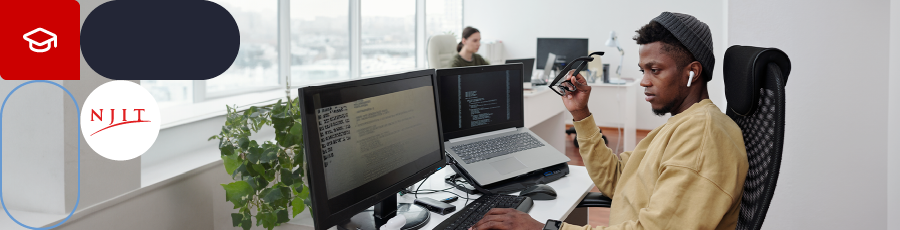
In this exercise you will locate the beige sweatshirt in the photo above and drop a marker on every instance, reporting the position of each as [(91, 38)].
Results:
[(686, 174)]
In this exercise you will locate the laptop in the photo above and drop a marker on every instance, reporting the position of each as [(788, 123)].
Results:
[(545, 76), (528, 66), (482, 114)]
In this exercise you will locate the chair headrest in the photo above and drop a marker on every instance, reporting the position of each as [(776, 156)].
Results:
[(745, 69)]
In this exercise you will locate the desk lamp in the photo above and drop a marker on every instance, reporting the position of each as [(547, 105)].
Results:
[(613, 41)]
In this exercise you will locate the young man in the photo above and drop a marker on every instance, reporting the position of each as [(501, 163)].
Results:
[(686, 174)]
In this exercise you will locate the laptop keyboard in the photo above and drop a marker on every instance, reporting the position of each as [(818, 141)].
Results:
[(495, 147)]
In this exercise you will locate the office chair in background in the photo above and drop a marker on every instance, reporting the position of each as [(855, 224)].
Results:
[(754, 87), (441, 50)]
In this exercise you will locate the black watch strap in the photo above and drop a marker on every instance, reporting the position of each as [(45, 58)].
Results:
[(552, 225)]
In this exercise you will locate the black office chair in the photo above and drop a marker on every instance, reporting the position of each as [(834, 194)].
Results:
[(754, 87)]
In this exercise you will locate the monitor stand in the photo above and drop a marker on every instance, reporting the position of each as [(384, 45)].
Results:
[(416, 216)]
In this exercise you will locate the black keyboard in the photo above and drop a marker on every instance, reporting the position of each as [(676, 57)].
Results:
[(495, 147), (472, 213)]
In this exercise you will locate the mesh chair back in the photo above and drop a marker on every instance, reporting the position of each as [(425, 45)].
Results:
[(755, 81)]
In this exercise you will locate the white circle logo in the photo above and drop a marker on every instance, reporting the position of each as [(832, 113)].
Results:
[(120, 120)]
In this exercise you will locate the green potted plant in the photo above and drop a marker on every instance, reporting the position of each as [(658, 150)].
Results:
[(269, 177)]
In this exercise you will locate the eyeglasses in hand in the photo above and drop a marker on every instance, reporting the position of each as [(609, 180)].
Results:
[(564, 87)]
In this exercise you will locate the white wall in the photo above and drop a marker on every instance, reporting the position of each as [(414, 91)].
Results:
[(833, 174), (101, 178), (518, 24), (183, 203), (33, 147), (893, 121)]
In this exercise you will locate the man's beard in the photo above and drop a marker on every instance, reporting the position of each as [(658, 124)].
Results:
[(667, 108)]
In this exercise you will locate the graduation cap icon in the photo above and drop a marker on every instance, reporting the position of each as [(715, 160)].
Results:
[(45, 38)]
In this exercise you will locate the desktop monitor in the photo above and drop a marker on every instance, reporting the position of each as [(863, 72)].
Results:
[(365, 140), (566, 49), (528, 67)]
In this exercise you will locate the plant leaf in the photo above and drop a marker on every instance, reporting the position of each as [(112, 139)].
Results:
[(297, 129), (238, 193), (305, 193), (258, 170), (286, 177), (271, 195), (286, 192), (270, 174), (213, 137), (253, 154), (241, 171), (269, 155), (298, 156), (298, 188), (297, 206), (232, 162), (283, 159), (282, 216), (268, 219), (227, 150), (246, 224), (277, 107), (236, 219), (308, 203), (244, 142), (257, 183), (297, 132)]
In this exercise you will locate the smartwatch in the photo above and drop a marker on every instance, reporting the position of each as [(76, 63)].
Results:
[(552, 225)]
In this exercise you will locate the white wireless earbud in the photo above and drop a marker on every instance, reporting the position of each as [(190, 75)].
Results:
[(690, 78)]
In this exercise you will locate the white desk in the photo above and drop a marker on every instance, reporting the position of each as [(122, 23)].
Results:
[(614, 106), (570, 191), (545, 115)]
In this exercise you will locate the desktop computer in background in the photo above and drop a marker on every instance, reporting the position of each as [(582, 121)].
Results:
[(366, 140), (528, 67), (566, 49)]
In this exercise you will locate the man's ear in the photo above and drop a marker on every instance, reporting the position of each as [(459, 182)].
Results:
[(698, 72)]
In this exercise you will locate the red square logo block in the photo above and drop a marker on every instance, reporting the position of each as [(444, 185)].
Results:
[(30, 35)]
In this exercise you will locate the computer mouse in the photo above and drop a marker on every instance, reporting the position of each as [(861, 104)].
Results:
[(539, 192)]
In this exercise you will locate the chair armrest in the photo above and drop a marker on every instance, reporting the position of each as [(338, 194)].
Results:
[(595, 199)]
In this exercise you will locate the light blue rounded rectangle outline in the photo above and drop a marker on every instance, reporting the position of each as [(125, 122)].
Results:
[(78, 112)]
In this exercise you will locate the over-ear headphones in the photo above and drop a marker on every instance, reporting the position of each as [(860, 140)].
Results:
[(690, 78)]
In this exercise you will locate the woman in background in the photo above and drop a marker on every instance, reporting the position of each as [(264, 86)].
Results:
[(471, 41)]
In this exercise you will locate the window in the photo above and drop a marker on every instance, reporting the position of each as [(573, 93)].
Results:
[(170, 93), (443, 17), (320, 41), (388, 38), (321, 44), (256, 65)]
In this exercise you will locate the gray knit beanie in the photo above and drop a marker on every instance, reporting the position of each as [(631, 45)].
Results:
[(694, 35)]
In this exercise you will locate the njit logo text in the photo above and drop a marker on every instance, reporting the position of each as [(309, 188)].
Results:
[(112, 117)]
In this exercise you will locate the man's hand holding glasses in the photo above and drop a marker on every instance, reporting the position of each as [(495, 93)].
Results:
[(576, 97)]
